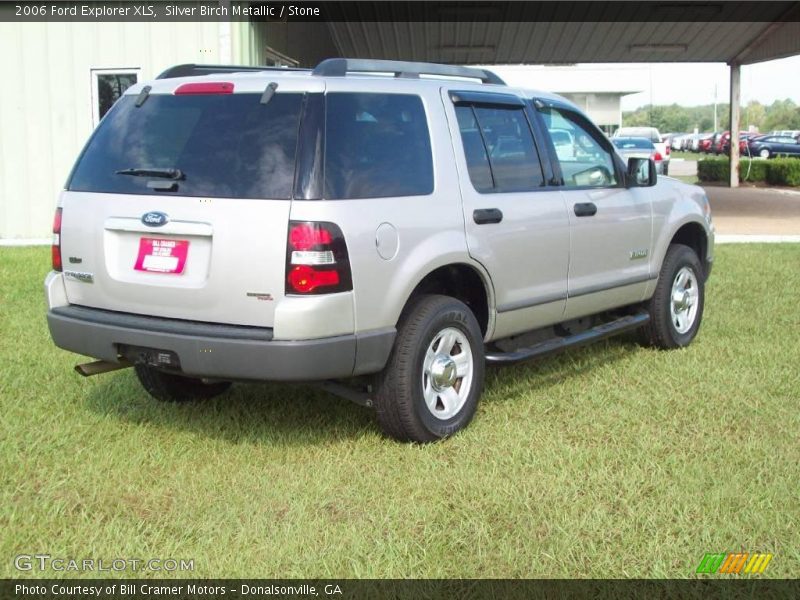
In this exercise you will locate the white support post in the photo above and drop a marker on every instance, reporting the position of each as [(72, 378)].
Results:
[(736, 72)]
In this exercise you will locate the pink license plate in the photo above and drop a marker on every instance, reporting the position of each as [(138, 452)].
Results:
[(162, 256)]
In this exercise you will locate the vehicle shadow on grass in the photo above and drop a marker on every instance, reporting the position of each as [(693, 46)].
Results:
[(285, 414), (272, 413), (553, 370)]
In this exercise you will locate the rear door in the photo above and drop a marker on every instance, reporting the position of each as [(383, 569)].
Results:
[(516, 225), (179, 207)]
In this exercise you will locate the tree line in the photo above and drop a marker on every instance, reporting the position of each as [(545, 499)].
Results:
[(781, 114)]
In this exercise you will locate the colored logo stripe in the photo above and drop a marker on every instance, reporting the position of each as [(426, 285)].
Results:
[(734, 562), (758, 563), (710, 563)]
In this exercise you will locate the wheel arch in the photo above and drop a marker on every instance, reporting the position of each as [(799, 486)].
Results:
[(693, 235), (464, 282)]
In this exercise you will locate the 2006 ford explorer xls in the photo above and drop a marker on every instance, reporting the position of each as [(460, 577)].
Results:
[(385, 236)]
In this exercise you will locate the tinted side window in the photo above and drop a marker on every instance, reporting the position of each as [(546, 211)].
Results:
[(507, 144), (228, 146), (376, 146), (583, 157), (474, 151)]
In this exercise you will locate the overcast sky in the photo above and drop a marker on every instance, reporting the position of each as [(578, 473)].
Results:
[(691, 84)]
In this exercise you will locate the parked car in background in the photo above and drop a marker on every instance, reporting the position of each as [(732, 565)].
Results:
[(714, 147), (719, 144), (770, 146), (786, 133), (564, 143), (743, 137), (630, 147), (648, 133), (704, 143), (691, 142), (678, 141)]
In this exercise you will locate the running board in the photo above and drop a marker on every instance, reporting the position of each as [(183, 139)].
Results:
[(557, 344)]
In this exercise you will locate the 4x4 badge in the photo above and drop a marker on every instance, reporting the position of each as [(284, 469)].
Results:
[(155, 219)]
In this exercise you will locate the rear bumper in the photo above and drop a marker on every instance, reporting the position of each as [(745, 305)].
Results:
[(219, 351)]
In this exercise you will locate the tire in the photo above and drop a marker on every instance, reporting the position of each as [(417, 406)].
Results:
[(764, 153), (674, 323), (168, 387), (420, 395), (665, 169)]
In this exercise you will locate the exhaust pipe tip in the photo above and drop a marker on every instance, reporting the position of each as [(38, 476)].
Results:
[(101, 366)]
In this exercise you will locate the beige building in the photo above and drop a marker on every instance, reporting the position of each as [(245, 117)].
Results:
[(598, 90), (60, 78)]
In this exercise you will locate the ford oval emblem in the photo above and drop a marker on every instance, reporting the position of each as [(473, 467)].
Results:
[(155, 219)]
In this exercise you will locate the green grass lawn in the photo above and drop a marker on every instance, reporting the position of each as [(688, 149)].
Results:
[(609, 461)]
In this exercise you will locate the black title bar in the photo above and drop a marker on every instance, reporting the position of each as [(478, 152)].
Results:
[(644, 11)]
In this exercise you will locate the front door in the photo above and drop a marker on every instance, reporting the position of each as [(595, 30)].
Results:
[(610, 225)]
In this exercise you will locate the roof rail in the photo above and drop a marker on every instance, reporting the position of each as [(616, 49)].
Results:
[(339, 67), (189, 70)]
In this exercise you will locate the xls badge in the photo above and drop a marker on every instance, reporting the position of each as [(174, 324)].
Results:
[(638, 254)]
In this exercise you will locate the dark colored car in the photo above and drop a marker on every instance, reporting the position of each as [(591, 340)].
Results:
[(769, 146)]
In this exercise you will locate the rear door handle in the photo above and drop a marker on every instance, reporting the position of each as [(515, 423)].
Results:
[(484, 216), (585, 209)]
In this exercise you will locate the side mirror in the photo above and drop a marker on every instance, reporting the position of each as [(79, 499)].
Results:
[(641, 172)]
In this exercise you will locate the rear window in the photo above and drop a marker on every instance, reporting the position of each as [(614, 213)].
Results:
[(227, 146), (377, 145), (643, 132), (630, 143)]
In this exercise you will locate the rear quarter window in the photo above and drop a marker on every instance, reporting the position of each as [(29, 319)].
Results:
[(376, 146)]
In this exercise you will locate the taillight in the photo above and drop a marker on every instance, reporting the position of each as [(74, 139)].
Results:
[(56, 247), (657, 156), (666, 151), (316, 259), (209, 87)]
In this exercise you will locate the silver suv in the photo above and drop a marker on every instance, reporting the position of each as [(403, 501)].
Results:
[(384, 229)]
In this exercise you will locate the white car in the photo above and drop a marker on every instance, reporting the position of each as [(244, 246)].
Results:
[(652, 134)]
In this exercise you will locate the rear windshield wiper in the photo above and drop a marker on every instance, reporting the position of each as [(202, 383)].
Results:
[(164, 173)]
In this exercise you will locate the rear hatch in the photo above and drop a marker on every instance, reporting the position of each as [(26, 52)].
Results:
[(179, 206)]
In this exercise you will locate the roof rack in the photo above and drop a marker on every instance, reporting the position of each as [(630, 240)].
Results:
[(340, 67), (189, 70)]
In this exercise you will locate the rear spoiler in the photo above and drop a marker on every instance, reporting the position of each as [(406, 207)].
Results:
[(189, 70)]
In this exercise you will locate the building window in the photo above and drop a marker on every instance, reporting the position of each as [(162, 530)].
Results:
[(107, 87), (273, 58)]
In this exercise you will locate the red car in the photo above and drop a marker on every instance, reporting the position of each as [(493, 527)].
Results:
[(720, 140), (744, 138), (705, 144)]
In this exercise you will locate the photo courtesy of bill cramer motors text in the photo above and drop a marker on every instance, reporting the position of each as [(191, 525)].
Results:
[(146, 590)]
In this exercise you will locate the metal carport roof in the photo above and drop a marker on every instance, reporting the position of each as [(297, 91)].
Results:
[(733, 32), (567, 32)]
